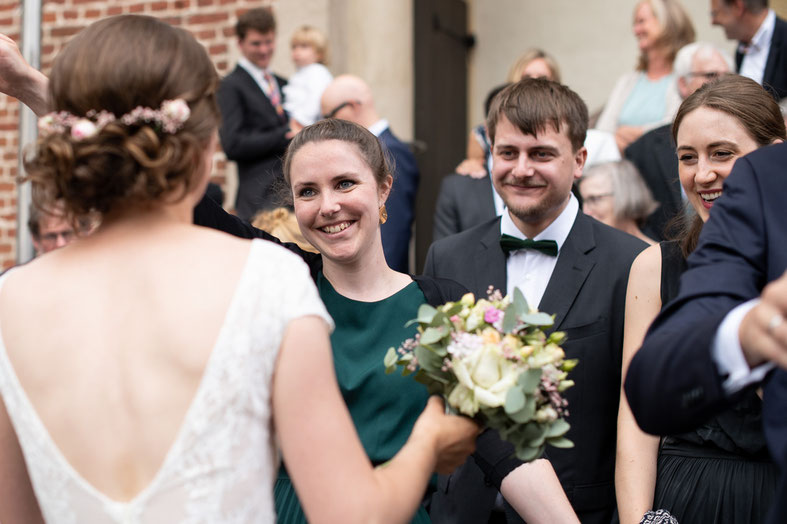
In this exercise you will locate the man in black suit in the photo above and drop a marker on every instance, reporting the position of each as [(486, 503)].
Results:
[(537, 129), (654, 153), (254, 129), (762, 37), (726, 329), (348, 97)]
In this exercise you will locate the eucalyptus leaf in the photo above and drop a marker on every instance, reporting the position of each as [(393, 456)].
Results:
[(532, 430), (433, 334), (425, 315), (529, 380), (390, 360), (427, 359), (526, 413), (510, 320), (520, 303), (537, 319), (558, 428), (515, 400), (529, 454), (454, 309), (538, 440), (440, 319), (560, 442)]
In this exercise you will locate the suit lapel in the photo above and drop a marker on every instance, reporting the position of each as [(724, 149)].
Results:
[(490, 262), (253, 87), (571, 270)]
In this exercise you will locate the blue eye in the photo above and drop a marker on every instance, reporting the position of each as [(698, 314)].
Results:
[(306, 192), (345, 184)]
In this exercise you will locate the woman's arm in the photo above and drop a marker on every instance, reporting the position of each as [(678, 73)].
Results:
[(330, 470), (20, 80), (17, 500), (534, 491), (637, 452)]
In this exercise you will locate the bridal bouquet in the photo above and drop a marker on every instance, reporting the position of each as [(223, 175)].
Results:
[(492, 360)]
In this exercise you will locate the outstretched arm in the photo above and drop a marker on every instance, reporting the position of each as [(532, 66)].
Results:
[(330, 470), (21, 81)]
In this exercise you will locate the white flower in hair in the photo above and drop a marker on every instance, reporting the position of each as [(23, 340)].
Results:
[(82, 129), (174, 113)]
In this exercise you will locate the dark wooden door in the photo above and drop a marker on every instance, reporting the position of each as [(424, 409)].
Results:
[(441, 55)]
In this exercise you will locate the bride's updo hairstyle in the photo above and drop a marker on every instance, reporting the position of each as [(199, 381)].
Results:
[(126, 66)]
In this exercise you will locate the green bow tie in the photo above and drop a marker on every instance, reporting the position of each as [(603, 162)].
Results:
[(509, 244)]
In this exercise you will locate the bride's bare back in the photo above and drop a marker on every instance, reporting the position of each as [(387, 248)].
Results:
[(110, 338)]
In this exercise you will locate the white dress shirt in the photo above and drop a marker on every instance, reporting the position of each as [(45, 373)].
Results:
[(378, 127), (728, 355), (528, 269), (259, 76), (755, 54)]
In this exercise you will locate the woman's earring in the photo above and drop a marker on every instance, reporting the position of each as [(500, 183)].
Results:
[(383, 214)]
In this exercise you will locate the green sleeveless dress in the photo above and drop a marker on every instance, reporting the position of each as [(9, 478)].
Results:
[(383, 407)]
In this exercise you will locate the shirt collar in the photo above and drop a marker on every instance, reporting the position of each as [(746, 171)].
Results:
[(558, 230), (762, 38), (378, 127), (252, 69)]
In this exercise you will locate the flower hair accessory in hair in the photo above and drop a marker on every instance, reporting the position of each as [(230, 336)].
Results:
[(169, 118)]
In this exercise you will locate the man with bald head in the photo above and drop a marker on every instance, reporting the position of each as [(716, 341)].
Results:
[(349, 98), (654, 153)]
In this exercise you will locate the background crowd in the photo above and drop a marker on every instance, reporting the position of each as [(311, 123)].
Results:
[(623, 196)]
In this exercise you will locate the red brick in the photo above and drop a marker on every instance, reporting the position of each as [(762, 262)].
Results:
[(181, 4), (70, 14), (64, 31), (114, 10), (206, 34), (203, 3), (208, 18), (136, 8), (217, 49), (5, 248), (92, 13), (158, 6)]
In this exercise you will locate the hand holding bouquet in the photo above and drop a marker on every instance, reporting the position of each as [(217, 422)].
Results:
[(492, 360)]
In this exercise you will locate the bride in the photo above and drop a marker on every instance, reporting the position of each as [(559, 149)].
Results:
[(146, 370)]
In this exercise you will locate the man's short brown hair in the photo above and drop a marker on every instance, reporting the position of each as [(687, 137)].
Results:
[(533, 103), (260, 20)]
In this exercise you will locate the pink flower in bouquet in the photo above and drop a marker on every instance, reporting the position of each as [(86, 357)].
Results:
[(492, 315)]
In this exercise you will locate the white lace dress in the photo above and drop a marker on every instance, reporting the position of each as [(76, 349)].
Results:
[(221, 466)]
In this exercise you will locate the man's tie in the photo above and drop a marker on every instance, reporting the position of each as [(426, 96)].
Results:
[(509, 243), (274, 96)]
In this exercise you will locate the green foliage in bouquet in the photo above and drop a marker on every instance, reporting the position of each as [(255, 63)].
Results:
[(492, 360)]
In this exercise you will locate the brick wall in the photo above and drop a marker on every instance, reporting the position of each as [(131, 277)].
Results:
[(211, 21)]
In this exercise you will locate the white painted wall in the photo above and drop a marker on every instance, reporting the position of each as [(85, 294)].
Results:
[(591, 40)]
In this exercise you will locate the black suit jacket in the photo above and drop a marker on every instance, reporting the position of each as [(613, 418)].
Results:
[(775, 76), (253, 135), (396, 232), (586, 293), (673, 383), (463, 202), (654, 155)]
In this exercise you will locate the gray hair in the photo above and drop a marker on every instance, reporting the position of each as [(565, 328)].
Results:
[(631, 196), (682, 65)]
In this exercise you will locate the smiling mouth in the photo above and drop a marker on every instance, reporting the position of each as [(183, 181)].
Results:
[(335, 228), (709, 197)]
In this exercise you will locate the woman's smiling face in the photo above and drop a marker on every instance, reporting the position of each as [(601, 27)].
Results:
[(337, 199), (708, 143)]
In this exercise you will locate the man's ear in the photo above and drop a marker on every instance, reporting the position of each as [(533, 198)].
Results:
[(580, 157)]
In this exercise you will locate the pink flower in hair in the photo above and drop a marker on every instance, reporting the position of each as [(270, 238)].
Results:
[(82, 129)]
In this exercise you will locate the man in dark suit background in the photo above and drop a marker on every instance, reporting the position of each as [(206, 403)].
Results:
[(348, 97), (654, 153), (762, 41), (537, 129), (725, 331), (254, 129)]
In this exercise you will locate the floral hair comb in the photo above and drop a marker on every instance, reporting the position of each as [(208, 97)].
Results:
[(169, 118)]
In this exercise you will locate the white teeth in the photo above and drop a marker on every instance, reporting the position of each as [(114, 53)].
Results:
[(709, 197), (336, 227)]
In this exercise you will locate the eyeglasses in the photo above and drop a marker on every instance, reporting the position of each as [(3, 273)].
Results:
[(707, 75), (53, 237), (338, 108), (592, 200)]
